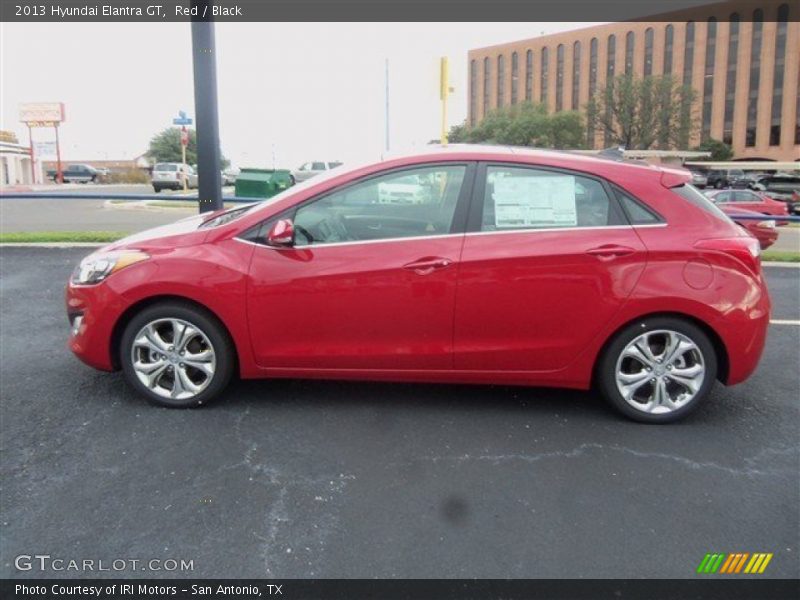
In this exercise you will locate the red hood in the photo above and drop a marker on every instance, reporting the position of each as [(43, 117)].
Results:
[(178, 234)]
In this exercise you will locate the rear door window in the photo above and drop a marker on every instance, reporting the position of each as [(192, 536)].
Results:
[(529, 198)]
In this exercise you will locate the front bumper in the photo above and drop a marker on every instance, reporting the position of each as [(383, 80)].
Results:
[(98, 307)]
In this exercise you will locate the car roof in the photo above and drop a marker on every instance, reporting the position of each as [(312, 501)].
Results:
[(567, 159)]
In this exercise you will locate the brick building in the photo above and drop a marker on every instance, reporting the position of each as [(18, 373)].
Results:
[(742, 58)]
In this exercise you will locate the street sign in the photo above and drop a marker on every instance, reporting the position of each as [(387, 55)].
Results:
[(182, 119)]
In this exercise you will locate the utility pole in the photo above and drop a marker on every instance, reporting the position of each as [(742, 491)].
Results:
[(386, 116), (204, 61), (444, 92)]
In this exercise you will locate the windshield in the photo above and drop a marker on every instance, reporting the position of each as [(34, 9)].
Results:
[(165, 167)]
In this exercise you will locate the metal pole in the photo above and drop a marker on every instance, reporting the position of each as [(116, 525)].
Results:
[(30, 141), (387, 106), (59, 173), (205, 109)]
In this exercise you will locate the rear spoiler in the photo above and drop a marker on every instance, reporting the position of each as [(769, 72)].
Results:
[(671, 178)]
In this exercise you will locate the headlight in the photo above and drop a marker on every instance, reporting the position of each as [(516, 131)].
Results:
[(96, 267)]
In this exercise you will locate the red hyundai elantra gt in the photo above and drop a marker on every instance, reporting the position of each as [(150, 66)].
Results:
[(470, 264)]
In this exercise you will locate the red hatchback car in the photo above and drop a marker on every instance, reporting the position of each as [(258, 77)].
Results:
[(468, 264)]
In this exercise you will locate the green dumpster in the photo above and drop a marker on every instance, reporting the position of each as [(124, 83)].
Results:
[(262, 183)]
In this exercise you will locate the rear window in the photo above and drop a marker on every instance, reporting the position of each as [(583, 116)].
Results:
[(165, 167), (692, 195)]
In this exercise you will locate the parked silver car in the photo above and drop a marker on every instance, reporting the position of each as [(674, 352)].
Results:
[(309, 169), (171, 176)]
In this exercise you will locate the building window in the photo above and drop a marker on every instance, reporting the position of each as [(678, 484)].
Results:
[(777, 79), (610, 68), (576, 75), (487, 82), (755, 78), (473, 91), (543, 75), (559, 77), (514, 77), (688, 54), (669, 37), (529, 75), (730, 79), (630, 42), (648, 52), (501, 80), (612, 58), (708, 77)]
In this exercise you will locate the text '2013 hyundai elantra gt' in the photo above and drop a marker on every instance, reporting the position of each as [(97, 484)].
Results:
[(468, 264)]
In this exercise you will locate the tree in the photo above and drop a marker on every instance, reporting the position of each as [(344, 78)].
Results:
[(165, 146), (642, 113), (720, 151), (524, 124)]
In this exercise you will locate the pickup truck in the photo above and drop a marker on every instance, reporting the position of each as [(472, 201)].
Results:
[(76, 173)]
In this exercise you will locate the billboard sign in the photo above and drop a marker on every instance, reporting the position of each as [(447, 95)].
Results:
[(41, 114)]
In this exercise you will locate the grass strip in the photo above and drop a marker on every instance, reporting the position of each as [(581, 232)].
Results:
[(22, 237)]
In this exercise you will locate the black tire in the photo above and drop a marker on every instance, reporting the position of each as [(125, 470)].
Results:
[(156, 189), (607, 368), (201, 319)]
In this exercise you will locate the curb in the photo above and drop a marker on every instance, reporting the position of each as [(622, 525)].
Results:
[(53, 245)]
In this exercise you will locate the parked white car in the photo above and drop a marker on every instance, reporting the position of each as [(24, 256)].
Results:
[(309, 169), (405, 190), (171, 176)]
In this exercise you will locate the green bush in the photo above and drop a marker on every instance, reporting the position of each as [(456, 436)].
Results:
[(129, 176)]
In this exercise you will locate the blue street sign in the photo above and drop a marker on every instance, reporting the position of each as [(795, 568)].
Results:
[(182, 119)]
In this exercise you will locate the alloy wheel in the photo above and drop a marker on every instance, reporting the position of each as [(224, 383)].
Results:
[(660, 371), (173, 358)]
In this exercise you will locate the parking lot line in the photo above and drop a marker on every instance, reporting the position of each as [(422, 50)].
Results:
[(784, 322)]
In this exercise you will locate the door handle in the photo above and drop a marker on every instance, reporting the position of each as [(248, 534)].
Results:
[(610, 251), (427, 265)]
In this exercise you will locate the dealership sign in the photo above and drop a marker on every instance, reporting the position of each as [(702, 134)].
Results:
[(41, 114)]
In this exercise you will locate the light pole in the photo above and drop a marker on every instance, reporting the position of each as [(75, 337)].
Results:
[(204, 62)]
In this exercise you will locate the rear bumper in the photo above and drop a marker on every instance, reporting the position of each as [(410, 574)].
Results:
[(745, 337)]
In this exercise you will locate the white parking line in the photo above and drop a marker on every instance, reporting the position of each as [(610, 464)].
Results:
[(784, 322)]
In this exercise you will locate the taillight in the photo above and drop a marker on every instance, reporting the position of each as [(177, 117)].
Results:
[(745, 248)]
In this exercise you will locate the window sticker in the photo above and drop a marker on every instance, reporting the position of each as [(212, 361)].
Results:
[(535, 201)]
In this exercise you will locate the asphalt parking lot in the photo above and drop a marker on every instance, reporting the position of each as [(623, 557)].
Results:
[(328, 479)]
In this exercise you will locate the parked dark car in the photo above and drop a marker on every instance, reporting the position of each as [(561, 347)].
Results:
[(783, 187), (728, 178), (76, 173)]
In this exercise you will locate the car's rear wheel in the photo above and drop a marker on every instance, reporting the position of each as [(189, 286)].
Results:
[(176, 355), (658, 370), (156, 189)]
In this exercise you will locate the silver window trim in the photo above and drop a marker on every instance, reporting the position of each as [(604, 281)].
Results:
[(449, 235)]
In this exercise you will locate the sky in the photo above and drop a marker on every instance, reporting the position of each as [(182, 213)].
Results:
[(288, 92)]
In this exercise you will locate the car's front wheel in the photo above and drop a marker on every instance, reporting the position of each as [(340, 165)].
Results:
[(176, 355), (658, 370)]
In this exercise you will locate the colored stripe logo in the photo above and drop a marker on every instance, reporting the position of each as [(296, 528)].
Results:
[(735, 563)]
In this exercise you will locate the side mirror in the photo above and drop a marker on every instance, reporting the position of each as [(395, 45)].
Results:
[(281, 233)]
